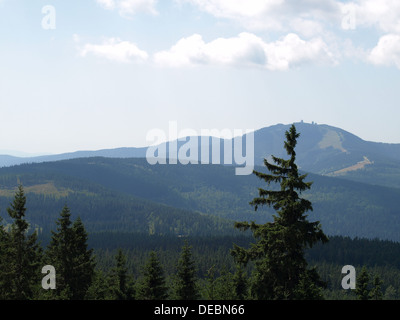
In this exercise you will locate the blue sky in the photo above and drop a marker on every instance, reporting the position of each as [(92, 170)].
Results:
[(109, 71)]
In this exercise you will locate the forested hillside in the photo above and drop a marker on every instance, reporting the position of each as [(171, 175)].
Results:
[(103, 210), (126, 194), (113, 256)]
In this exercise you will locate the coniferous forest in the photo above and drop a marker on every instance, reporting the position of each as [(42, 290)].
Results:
[(287, 258)]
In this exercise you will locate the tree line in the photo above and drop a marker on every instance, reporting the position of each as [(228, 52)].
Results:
[(77, 277)]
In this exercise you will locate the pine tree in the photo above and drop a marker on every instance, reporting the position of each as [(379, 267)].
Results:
[(153, 283), (84, 262), (186, 279), (309, 287), (362, 285), (100, 288), (209, 290), (68, 252), (60, 253), (24, 253), (5, 264), (122, 281), (279, 251), (224, 286), (376, 291), (390, 293)]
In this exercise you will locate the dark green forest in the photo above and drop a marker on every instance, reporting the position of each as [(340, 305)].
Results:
[(112, 256), (116, 194)]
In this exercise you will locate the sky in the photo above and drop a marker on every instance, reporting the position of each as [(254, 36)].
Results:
[(98, 74)]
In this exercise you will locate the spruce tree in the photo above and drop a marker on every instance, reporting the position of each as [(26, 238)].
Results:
[(376, 291), (224, 286), (210, 285), (280, 265), (362, 285), (84, 262), (69, 254), (5, 264), (23, 253), (122, 282), (390, 293), (60, 253), (186, 278), (100, 288), (153, 282)]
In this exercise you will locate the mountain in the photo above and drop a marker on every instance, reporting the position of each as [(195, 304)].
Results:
[(321, 149), (331, 151), (130, 194)]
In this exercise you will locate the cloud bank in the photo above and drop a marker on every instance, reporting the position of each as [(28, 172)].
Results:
[(128, 8), (115, 50), (246, 50), (309, 31)]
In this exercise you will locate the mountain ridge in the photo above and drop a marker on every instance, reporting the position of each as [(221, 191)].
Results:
[(321, 149)]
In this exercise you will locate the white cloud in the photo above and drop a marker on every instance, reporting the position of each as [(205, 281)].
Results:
[(387, 51), (115, 50), (306, 27), (292, 51), (107, 4), (305, 17), (313, 20), (128, 8), (235, 9), (246, 50), (382, 14), (309, 15)]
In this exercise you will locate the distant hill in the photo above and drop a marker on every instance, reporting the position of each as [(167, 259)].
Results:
[(321, 149), (119, 194), (331, 151), (7, 160), (101, 209)]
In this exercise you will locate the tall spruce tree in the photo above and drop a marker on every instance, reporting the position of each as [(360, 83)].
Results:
[(362, 285), (210, 285), (224, 285), (122, 281), (376, 291), (101, 288), (23, 252), (153, 285), (59, 254), (69, 254), (5, 264), (281, 269), (84, 261), (186, 279)]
